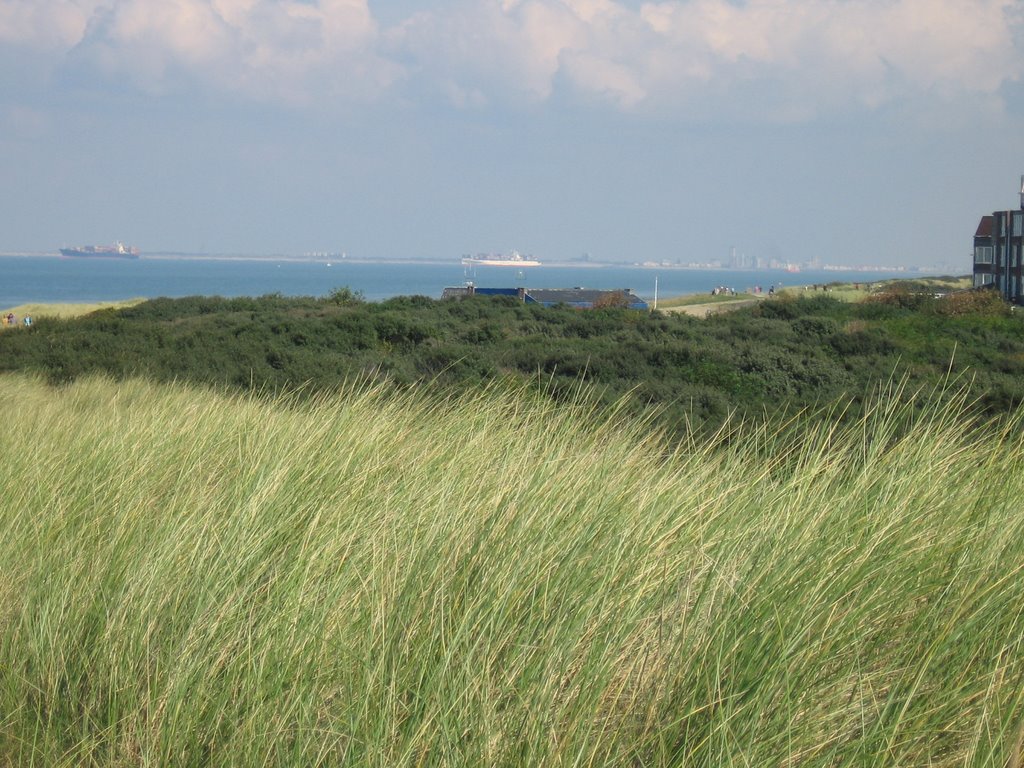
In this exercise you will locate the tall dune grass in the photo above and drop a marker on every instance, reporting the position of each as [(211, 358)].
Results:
[(375, 579)]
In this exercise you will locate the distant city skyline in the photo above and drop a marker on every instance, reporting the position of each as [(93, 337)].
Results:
[(866, 132)]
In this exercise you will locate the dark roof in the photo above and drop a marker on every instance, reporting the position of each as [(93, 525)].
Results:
[(496, 291), (457, 291), (985, 226), (585, 297), (567, 295)]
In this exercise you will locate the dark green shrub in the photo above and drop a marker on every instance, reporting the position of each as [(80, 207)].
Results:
[(345, 297), (815, 328), (860, 343)]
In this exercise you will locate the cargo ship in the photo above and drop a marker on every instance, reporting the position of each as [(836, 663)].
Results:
[(116, 251), (514, 259)]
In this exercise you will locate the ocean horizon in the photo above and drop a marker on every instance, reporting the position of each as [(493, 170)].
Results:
[(54, 279)]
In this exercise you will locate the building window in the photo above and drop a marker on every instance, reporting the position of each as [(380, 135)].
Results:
[(982, 278), (983, 254), (1018, 223)]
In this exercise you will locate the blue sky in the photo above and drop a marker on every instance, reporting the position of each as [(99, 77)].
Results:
[(855, 131)]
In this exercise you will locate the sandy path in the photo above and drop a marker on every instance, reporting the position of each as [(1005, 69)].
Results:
[(703, 310)]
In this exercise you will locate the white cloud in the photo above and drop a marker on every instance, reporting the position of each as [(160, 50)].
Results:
[(608, 79), (44, 24), (924, 44), (820, 53), (292, 50), (794, 58), (498, 50), (522, 47)]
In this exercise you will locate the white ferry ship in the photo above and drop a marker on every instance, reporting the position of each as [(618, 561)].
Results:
[(514, 259)]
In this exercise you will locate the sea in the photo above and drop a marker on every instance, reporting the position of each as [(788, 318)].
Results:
[(51, 279)]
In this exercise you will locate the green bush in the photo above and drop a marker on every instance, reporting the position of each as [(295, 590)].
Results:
[(982, 303), (785, 353)]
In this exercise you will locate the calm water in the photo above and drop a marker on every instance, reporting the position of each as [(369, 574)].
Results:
[(46, 279)]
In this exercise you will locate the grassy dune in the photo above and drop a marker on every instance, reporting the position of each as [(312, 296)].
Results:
[(66, 309), (371, 580), (842, 291), (692, 299), (858, 291), (703, 304)]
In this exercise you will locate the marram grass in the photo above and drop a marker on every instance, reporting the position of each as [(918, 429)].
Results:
[(372, 579)]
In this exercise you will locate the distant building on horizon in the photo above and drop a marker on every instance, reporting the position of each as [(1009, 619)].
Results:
[(999, 251)]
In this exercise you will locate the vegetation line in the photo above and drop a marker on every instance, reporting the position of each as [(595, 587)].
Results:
[(787, 355)]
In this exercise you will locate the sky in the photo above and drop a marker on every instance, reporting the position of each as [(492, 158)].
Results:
[(852, 131)]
